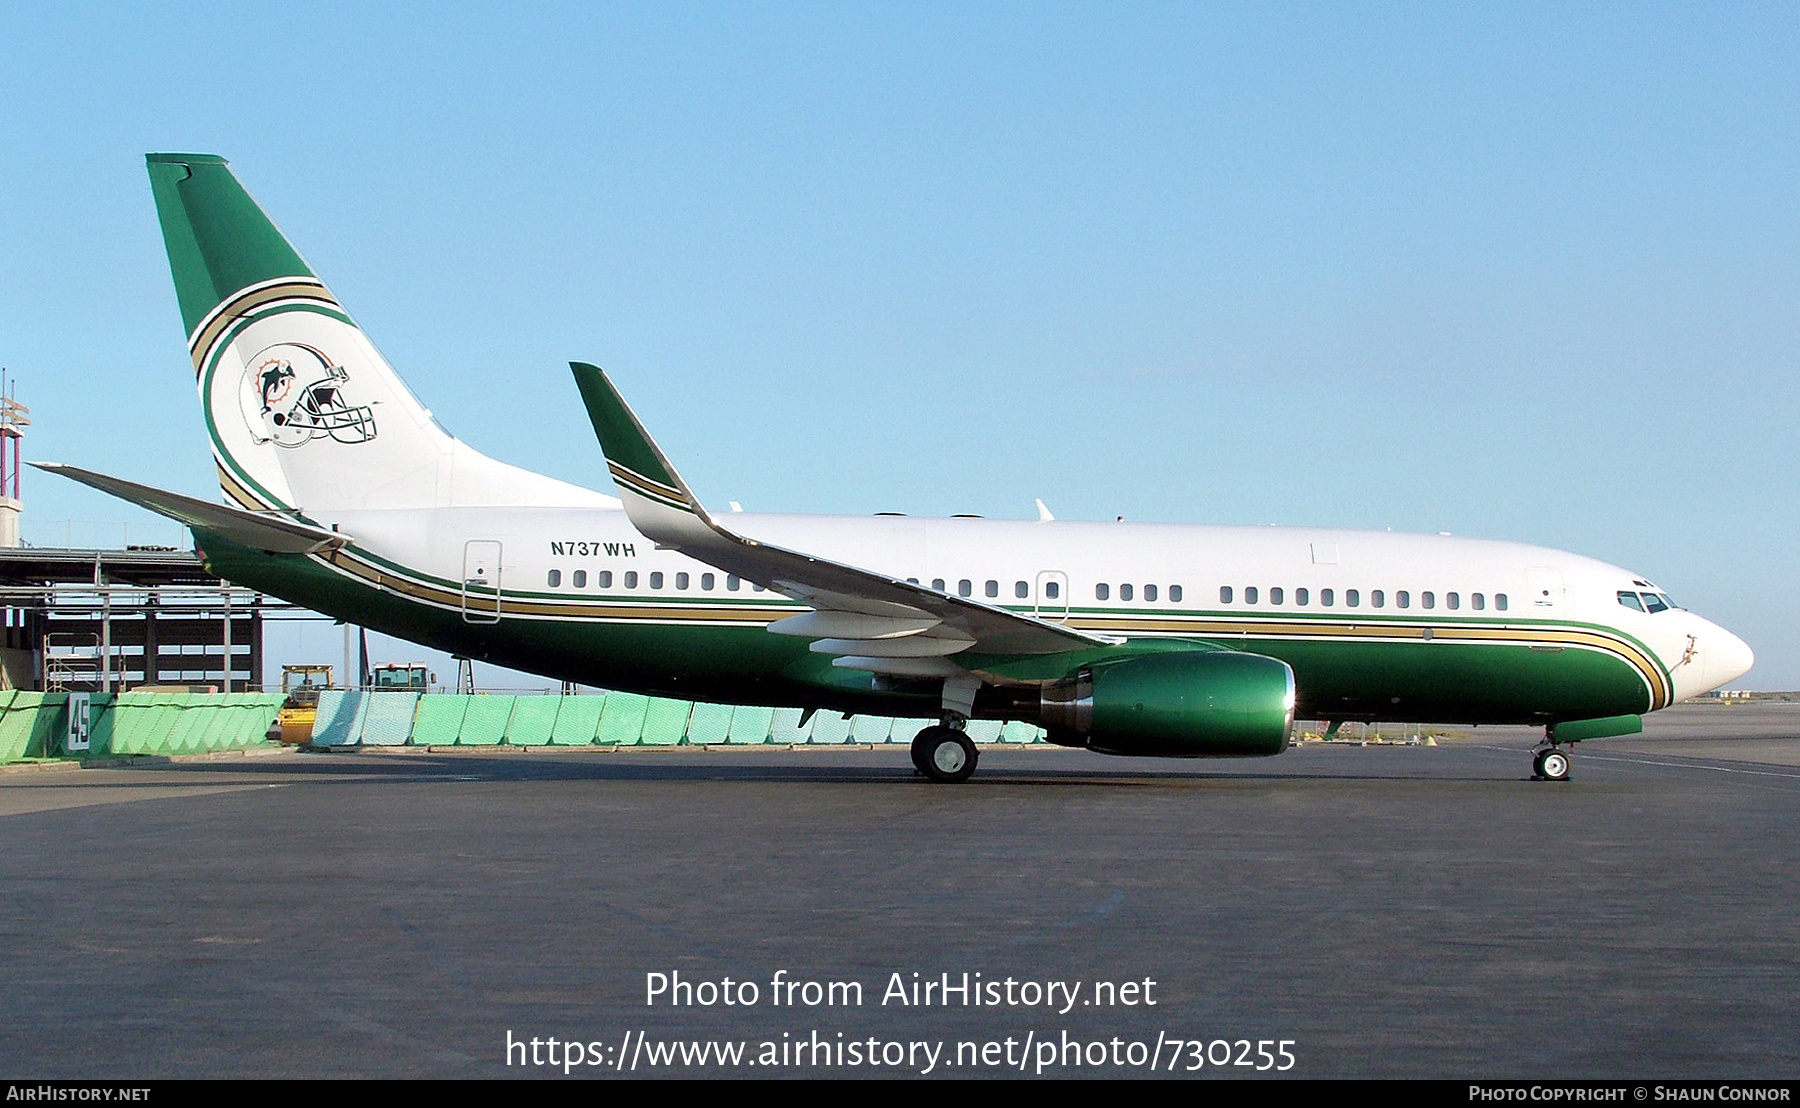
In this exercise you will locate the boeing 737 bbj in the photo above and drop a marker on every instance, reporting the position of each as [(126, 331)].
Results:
[(343, 495)]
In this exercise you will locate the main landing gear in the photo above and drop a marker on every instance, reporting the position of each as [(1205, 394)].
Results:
[(944, 754), (1551, 764)]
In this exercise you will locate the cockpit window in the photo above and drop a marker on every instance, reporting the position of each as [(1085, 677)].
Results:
[(1630, 600), (1655, 603)]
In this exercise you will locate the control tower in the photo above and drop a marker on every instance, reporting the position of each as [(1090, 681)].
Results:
[(14, 418)]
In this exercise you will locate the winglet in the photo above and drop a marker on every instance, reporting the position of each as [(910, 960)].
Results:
[(657, 500), (664, 510)]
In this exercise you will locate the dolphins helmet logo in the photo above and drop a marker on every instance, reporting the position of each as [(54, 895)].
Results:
[(293, 394)]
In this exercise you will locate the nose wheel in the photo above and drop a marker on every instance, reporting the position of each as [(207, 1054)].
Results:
[(944, 754), (1552, 764)]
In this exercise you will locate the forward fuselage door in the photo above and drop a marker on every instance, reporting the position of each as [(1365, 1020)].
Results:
[(481, 581), (1052, 595), (1546, 584)]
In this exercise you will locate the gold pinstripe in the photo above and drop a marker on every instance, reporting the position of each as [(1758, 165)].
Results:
[(236, 490), (610, 609), (221, 318), (645, 487)]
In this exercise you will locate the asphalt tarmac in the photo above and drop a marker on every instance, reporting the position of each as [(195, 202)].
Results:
[(1379, 911)]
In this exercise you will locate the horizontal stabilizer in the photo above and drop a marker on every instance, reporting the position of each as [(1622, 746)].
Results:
[(277, 534)]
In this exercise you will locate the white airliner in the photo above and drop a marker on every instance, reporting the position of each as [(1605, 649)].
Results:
[(1184, 641)]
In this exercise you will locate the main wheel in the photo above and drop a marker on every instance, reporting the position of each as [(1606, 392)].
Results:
[(1553, 765), (948, 756)]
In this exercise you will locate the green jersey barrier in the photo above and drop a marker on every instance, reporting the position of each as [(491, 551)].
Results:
[(37, 725), (34, 725)]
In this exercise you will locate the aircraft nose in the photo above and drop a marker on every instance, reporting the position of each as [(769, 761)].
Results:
[(1727, 657)]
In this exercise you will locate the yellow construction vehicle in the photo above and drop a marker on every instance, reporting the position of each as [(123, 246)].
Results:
[(302, 684)]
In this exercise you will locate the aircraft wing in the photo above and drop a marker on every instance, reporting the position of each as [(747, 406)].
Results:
[(277, 534), (869, 620)]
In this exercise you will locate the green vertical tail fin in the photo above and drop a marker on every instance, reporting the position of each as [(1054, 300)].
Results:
[(219, 240), (304, 413)]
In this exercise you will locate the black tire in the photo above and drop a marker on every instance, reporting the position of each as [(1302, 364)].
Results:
[(1554, 765), (919, 746), (1537, 766), (949, 757)]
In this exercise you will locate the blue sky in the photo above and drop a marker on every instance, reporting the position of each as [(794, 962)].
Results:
[(1526, 272)]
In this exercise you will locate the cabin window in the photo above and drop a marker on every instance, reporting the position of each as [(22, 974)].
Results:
[(579, 579), (937, 584), (1052, 589), (1500, 602), (681, 580), (1353, 597), (1327, 597), (731, 582), (993, 588), (965, 587), (1174, 594), (631, 578), (706, 582), (1428, 599), (1403, 599), (1452, 601), (1277, 595), (1101, 591), (1149, 592), (1249, 594), (604, 579), (1125, 592), (1654, 603), (1378, 599), (1630, 600), (1023, 590), (555, 578), (912, 580), (1224, 594), (1302, 597), (754, 587), (1477, 601), (656, 579)]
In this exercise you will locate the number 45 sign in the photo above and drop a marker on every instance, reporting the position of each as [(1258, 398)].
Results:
[(77, 736)]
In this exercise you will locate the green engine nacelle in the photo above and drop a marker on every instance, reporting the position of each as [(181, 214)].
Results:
[(1199, 704)]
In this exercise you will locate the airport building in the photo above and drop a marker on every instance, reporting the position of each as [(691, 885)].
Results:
[(112, 620), (102, 621)]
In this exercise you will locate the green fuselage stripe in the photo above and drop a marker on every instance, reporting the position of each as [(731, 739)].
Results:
[(715, 647)]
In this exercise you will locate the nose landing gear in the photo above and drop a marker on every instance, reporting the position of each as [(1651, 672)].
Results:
[(1551, 764)]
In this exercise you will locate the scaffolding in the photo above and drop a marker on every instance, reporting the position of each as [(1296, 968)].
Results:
[(110, 620)]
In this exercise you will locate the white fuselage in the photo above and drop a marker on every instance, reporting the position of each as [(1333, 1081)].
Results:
[(1151, 575)]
